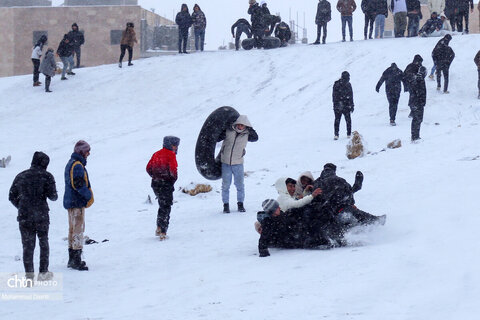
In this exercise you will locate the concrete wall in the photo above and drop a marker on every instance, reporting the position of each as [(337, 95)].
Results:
[(18, 25), (24, 3)]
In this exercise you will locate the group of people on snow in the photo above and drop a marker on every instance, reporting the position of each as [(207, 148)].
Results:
[(184, 21), (311, 213)]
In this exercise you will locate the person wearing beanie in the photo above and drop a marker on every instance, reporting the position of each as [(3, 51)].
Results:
[(343, 103), (29, 193), (414, 83), (259, 23), (78, 40), (36, 55), (78, 196), (48, 68), (65, 52), (286, 188), (443, 56), (184, 22), (235, 140), (393, 78), (162, 168), (129, 38)]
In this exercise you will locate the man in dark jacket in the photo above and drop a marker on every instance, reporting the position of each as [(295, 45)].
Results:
[(277, 229), (443, 56), (258, 23), (451, 10), (381, 9), (462, 13), (414, 83), (414, 15), (65, 52), (78, 196), (342, 97), (432, 24), (29, 193), (369, 10), (393, 78), (162, 168), (282, 32), (184, 22), (77, 41), (477, 62), (242, 26), (324, 15)]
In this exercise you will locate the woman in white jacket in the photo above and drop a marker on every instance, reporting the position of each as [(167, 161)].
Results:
[(286, 191), (36, 56)]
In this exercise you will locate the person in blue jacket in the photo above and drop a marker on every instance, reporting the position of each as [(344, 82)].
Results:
[(78, 196)]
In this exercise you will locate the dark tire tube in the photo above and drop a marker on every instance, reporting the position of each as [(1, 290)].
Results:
[(248, 44), (217, 122)]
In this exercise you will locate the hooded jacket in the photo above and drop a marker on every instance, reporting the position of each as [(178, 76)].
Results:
[(129, 37), (183, 19), (324, 12), (443, 54), (199, 20), (393, 78), (30, 190), (234, 141), (65, 49), (299, 189), (337, 193), (48, 65), (282, 31), (77, 37), (342, 95), (287, 201)]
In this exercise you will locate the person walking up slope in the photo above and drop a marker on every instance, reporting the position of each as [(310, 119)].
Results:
[(414, 82), (36, 55), (162, 168), (129, 38), (78, 196), (184, 22), (29, 193), (232, 152), (393, 78), (343, 103), (443, 56)]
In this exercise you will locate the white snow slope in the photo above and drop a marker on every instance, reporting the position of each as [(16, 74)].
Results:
[(423, 264)]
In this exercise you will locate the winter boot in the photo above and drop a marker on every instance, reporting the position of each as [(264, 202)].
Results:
[(226, 208), (241, 208), (119, 64), (335, 137), (392, 123), (29, 276), (37, 84), (45, 276), (63, 78), (70, 258), (78, 264), (478, 94), (158, 232), (163, 236), (130, 64), (71, 73)]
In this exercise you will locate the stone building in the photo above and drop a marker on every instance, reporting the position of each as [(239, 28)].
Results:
[(102, 26)]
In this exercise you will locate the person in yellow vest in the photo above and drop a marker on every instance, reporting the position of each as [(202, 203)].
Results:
[(78, 196)]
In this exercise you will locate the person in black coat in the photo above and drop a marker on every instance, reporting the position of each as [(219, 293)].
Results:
[(28, 193), (462, 13), (414, 14), (431, 25), (324, 15), (277, 229), (184, 22), (282, 31), (393, 78), (443, 56), (451, 9), (342, 103), (381, 9), (258, 23), (369, 10), (65, 52), (414, 83), (77, 41), (242, 26)]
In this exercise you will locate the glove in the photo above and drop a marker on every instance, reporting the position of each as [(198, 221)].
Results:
[(264, 253), (359, 177), (377, 89), (351, 109)]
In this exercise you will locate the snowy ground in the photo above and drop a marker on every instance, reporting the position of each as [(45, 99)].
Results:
[(423, 264)]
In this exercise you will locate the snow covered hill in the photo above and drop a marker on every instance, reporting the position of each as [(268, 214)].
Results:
[(423, 264)]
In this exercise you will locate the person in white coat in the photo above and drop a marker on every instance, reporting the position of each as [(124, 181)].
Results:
[(36, 56), (286, 190), (436, 6)]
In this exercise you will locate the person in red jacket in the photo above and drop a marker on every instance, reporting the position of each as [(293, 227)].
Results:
[(162, 167)]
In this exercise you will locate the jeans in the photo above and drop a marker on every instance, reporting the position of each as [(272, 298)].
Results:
[(29, 233), (320, 26), (413, 24), (349, 20), (417, 118), (369, 20), (199, 37), (237, 171), (36, 66), (379, 26), (443, 70), (77, 51), (124, 47), (48, 80), (182, 40), (238, 33), (348, 120), (460, 16), (76, 228), (67, 65), (393, 104), (433, 69), (400, 21)]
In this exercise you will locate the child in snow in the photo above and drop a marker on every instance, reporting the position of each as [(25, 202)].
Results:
[(162, 167)]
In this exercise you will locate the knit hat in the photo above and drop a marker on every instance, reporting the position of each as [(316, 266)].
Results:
[(346, 75), (418, 58), (330, 166), (74, 25), (170, 141), (270, 205), (81, 147)]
